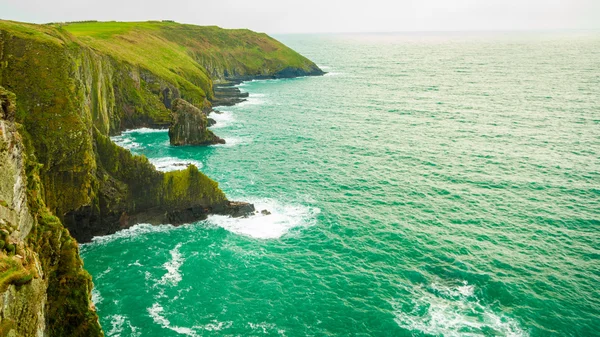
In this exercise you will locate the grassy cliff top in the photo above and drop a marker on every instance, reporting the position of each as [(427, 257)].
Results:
[(189, 56)]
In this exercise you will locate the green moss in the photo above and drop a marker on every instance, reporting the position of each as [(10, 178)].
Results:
[(6, 325), (13, 272), (58, 256), (149, 188), (22, 279), (68, 310), (10, 249)]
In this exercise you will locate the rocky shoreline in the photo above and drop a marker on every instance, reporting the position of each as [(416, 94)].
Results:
[(225, 94)]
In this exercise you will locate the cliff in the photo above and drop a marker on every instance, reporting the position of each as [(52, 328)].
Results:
[(190, 126), (75, 85), (44, 290)]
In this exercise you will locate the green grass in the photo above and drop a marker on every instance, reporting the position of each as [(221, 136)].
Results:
[(141, 44), (105, 30), (189, 50), (188, 56)]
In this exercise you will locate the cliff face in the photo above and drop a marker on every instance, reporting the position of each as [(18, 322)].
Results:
[(190, 126), (76, 85), (44, 290)]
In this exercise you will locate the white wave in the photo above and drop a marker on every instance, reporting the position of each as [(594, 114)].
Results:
[(266, 328), (333, 74), (324, 67), (156, 313), (145, 130), (245, 83), (125, 142), (214, 326), (96, 296), (101, 275), (116, 322), (173, 275), (136, 263), (131, 232), (223, 119), (254, 99), (167, 164), (232, 141), (452, 311), (134, 332), (283, 217)]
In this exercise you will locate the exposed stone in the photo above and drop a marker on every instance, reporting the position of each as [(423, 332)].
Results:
[(39, 252), (265, 212), (228, 94), (236, 209), (190, 126)]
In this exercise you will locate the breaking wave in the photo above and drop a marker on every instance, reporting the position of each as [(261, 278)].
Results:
[(282, 219)]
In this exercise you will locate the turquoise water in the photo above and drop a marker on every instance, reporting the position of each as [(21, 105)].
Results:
[(429, 185)]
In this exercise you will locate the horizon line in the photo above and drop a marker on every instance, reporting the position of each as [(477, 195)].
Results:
[(407, 31)]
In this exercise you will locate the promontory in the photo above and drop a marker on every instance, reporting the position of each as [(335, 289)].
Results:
[(65, 88)]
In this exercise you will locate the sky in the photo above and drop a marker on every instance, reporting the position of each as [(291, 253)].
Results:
[(323, 16)]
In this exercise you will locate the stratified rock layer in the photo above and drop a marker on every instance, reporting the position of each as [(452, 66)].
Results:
[(190, 126)]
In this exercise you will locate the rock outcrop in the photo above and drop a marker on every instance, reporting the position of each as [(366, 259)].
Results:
[(237, 209), (228, 94), (63, 181), (190, 126)]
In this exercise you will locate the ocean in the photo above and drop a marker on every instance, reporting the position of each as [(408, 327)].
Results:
[(434, 184)]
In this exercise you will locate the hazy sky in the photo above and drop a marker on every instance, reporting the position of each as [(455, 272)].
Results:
[(279, 16)]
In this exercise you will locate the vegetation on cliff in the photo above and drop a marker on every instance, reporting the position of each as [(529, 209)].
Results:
[(76, 85), (44, 288), (189, 53)]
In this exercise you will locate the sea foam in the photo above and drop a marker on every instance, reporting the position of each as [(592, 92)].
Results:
[(254, 99), (224, 118), (131, 233), (166, 164), (173, 275), (125, 142), (453, 311), (156, 312), (96, 296), (145, 130), (282, 219)]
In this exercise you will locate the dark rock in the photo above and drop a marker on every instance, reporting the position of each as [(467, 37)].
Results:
[(228, 95), (265, 212), (211, 122), (236, 209), (190, 125)]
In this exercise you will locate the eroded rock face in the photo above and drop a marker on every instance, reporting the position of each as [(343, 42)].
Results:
[(236, 209), (38, 256), (190, 126)]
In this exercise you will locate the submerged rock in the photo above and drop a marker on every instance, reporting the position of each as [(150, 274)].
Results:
[(190, 125), (265, 212)]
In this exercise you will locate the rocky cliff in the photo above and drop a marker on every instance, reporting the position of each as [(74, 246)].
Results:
[(44, 290), (76, 85), (190, 126)]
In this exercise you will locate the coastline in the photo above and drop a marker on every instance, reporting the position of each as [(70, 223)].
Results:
[(231, 95)]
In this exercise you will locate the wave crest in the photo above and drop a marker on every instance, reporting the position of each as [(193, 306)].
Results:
[(453, 311), (282, 219)]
